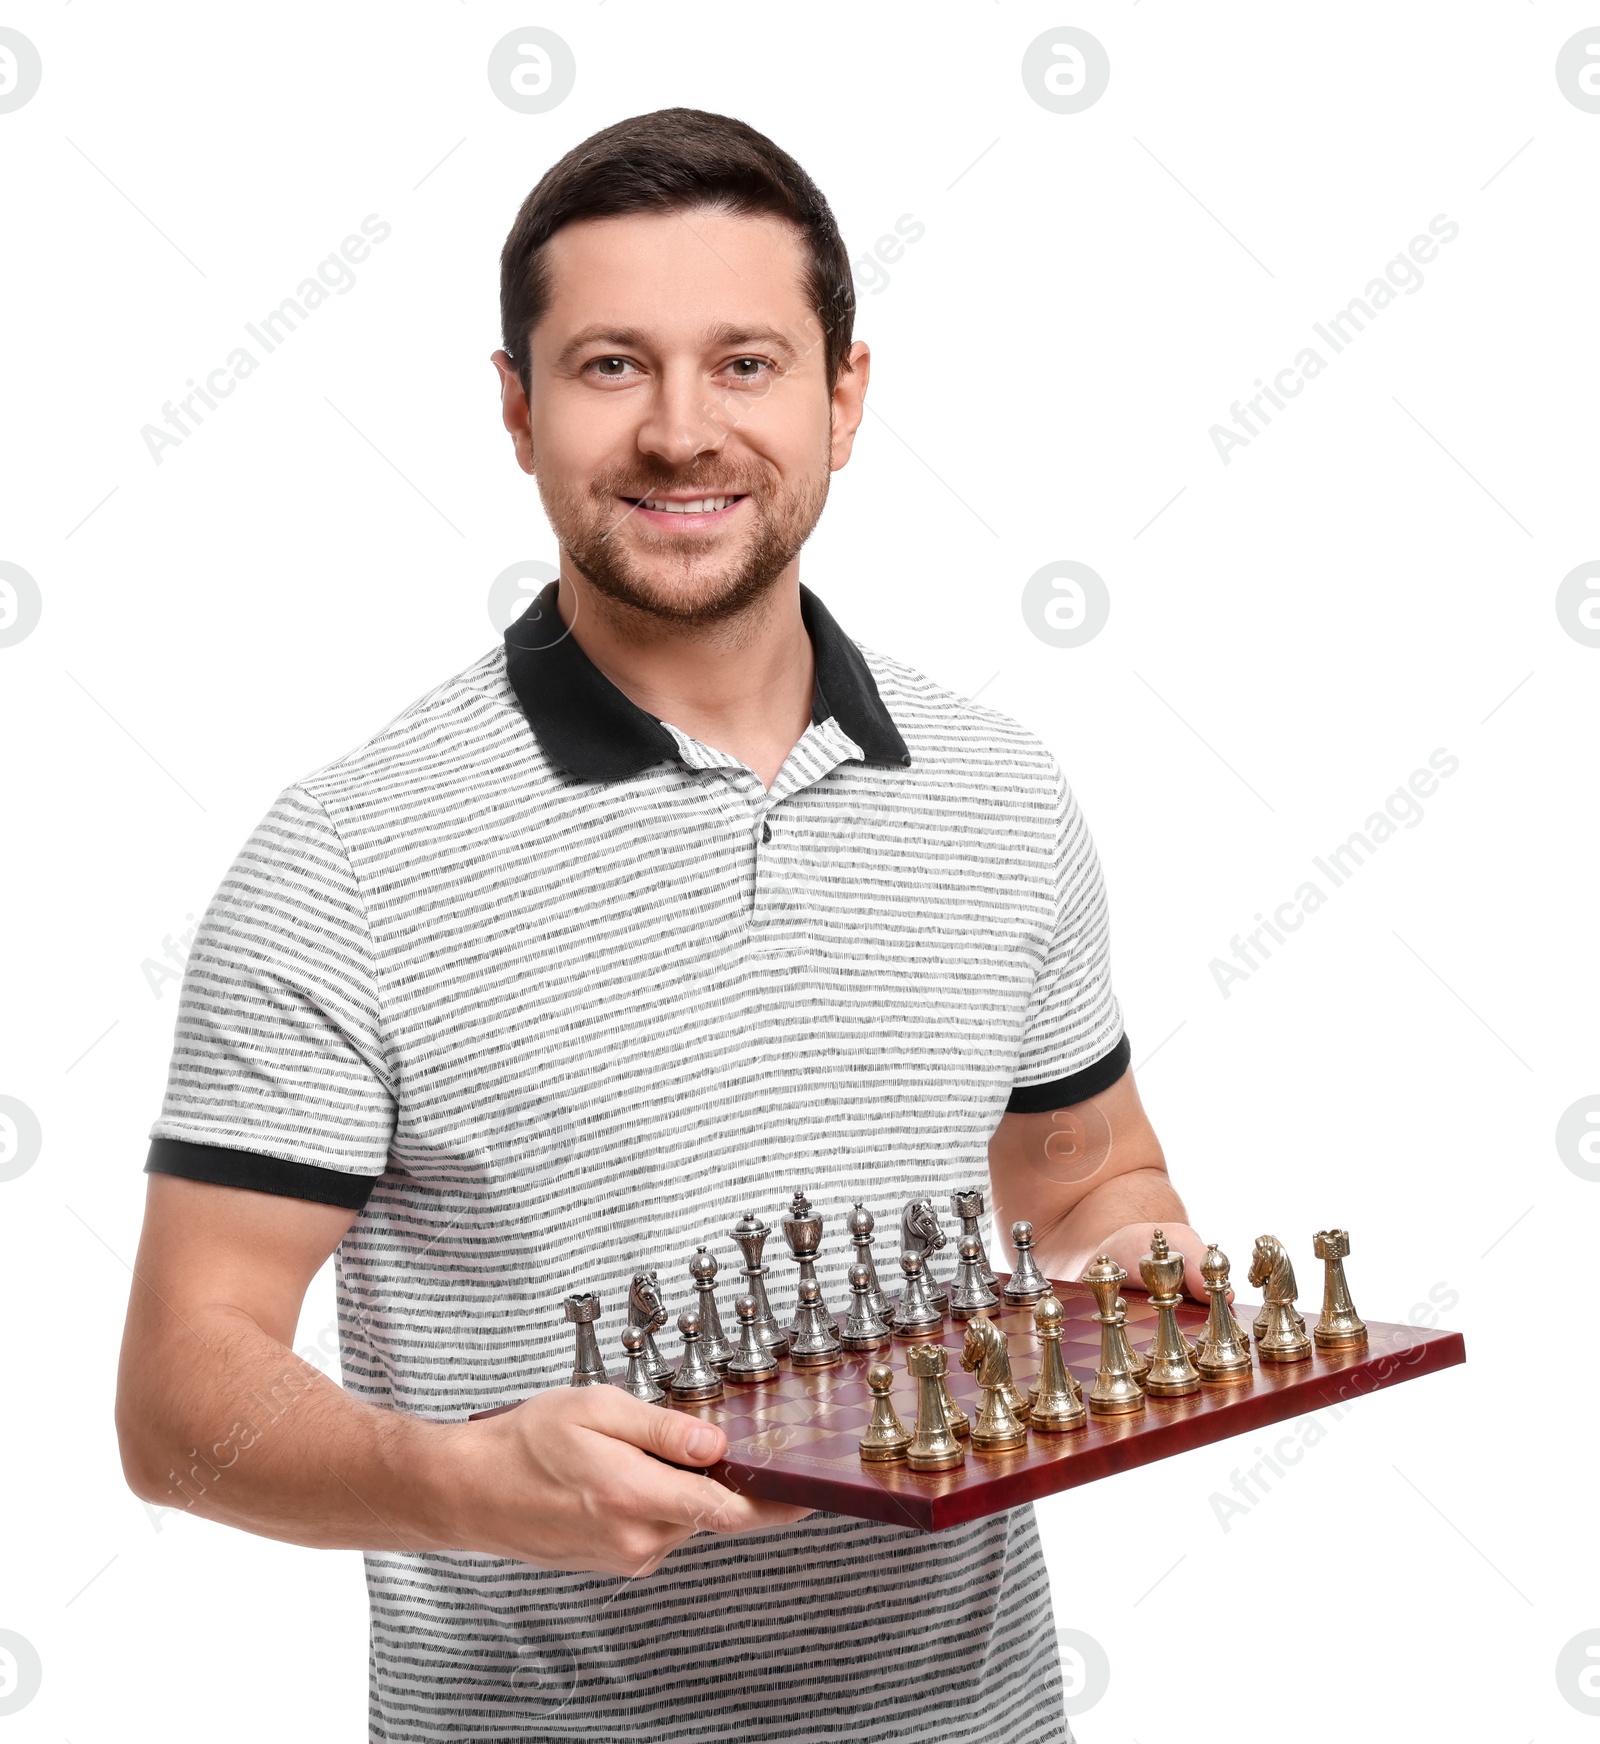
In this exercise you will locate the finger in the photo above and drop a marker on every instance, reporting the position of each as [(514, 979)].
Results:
[(671, 1435)]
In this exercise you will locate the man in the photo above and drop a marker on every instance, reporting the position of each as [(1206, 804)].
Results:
[(676, 903)]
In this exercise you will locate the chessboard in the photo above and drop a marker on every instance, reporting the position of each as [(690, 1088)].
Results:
[(795, 1438)]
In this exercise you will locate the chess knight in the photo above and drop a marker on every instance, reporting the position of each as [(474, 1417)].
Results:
[(1280, 1332)]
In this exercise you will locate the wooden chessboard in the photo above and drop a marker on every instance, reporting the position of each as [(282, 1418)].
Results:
[(795, 1438)]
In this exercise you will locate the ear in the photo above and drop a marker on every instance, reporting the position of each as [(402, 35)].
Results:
[(514, 409), (849, 404)]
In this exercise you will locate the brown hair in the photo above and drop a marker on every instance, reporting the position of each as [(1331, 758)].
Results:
[(669, 161)]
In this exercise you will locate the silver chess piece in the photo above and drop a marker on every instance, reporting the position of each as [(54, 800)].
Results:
[(863, 1329), (967, 1204), (751, 1235), (915, 1315), (751, 1359), (1338, 1327), (588, 1367), (860, 1224), (703, 1269), (638, 1382), (802, 1229), (813, 1346), (920, 1234), (648, 1312), (1280, 1332), (1027, 1284), (969, 1294), (695, 1379)]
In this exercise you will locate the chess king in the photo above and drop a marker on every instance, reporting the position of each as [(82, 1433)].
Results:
[(675, 897)]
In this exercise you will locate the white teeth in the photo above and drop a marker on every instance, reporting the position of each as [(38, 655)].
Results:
[(701, 506)]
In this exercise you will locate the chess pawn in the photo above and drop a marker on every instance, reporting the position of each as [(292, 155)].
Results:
[(914, 1315), (1224, 1352), (967, 1204), (1140, 1362), (813, 1346), (863, 1330), (886, 1437), (1280, 1332), (751, 1235), (588, 1367), (1057, 1401), (751, 1359), (648, 1312), (703, 1269), (1116, 1390), (695, 1379), (639, 1381), (802, 1229), (969, 1294), (1171, 1374), (934, 1446), (860, 1224), (1339, 1327), (1026, 1283)]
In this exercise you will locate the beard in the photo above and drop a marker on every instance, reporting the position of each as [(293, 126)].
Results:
[(668, 576)]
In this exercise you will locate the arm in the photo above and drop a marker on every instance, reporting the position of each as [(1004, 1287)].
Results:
[(216, 1414), (1091, 1179)]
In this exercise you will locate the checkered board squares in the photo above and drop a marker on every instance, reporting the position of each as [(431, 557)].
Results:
[(796, 1438)]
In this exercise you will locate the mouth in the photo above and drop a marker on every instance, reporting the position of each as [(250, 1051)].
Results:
[(685, 513)]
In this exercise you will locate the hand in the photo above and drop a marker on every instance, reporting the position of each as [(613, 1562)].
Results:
[(1128, 1245), (567, 1481)]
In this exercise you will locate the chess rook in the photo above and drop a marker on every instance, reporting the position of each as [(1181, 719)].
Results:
[(703, 1269), (934, 1447), (588, 1367), (647, 1311), (695, 1379), (813, 1345), (914, 1315), (638, 1382), (1224, 1351), (1338, 1327), (886, 1437), (1057, 1402), (1026, 1283), (860, 1224), (969, 1294), (751, 1359), (862, 1330), (802, 1229), (751, 1235), (1280, 1332), (1116, 1390), (1171, 1373)]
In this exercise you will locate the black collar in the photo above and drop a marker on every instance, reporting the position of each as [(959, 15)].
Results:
[(590, 729)]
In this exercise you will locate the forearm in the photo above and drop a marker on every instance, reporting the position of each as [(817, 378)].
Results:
[(217, 1417)]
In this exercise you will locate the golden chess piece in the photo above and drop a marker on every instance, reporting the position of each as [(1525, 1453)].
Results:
[(1057, 1401), (1116, 1390), (1224, 1352), (934, 1447), (887, 1437), (1339, 1327), (1171, 1373), (960, 1423), (1141, 1363), (986, 1353), (1280, 1332)]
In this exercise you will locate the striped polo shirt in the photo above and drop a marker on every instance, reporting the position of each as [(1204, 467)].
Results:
[(551, 992)]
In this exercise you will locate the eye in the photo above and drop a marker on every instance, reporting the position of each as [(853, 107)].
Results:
[(748, 368), (610, 368)]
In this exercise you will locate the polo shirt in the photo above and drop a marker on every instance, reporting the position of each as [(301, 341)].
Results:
[(551, 992)]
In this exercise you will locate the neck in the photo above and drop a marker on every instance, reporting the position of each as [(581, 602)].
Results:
[(743, 684)]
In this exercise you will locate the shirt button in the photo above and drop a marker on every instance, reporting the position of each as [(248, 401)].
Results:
[(766, 832)]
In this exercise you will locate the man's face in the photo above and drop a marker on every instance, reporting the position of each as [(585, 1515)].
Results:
[(679, 418)]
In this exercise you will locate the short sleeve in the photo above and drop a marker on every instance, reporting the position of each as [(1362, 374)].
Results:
[(1073, 1045), (278, 1079)]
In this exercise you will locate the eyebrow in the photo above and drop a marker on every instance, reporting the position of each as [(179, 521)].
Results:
[(726, 334)]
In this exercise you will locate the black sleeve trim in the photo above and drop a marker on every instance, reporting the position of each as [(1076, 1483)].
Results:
[(1075, 1087), (249, 1169)]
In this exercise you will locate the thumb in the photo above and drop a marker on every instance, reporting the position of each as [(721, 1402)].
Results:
[(678, 1437)]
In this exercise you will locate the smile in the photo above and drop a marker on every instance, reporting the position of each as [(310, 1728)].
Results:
[(685, 512)]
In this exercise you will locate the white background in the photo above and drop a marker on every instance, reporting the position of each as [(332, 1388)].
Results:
[(1291, 634)]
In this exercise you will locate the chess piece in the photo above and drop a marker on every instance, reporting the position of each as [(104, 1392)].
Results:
[(1280, 1332), (802, 1229), (969, 1294), (588, 1367), (1139, 1361), (860, 1224), (703, 1269), (1171, 1373), (1057, 1402), (639, 1383), (751, 1234), (751, 1359), (648, 1312), (695, 1379), (960, 1423), (934, 1446), (1224, 1351), (862, 1329), (985, 1353), (813, 1346), (914, 1315), (1338, 1327), (967, 1204), (886, 1437), (1115, 1391), (920, 1234), (1026, 1283)]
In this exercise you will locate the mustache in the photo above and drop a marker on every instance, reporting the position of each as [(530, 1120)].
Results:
[(620, 485)]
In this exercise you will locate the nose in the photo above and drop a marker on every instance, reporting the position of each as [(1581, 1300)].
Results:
[(681, 423)]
